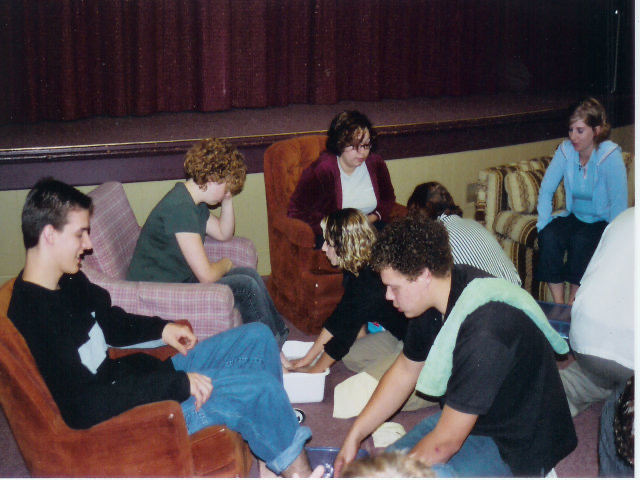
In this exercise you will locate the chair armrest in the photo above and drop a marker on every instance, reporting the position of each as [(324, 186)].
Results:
[(160, 433), (398, 211), (209, 307), (296, 231), (241, 251)]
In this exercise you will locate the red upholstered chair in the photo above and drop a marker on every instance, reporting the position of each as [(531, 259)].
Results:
[(147, 441), (303, 284)]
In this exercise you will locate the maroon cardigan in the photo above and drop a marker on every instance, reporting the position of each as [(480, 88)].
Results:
[(319, 190)]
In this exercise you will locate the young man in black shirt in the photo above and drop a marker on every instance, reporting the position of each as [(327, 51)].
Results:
[(233, 378), (504, 412)]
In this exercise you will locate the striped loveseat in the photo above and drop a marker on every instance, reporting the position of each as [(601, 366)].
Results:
[(506, 203)]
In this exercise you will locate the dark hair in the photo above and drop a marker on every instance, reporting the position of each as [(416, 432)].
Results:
[(591, 112), (49, 203), (410, 245), (347, 129), (433, 199)]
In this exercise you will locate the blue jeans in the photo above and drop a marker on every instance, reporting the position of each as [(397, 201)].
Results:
[(611, 465), (248, 396), (254, 302), (478, 457)]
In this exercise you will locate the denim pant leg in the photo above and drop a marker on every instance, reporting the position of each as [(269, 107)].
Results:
[(478, 457), (611, 465), (254, 302), (248, 395)]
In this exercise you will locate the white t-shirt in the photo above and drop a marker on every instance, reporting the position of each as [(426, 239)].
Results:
[(602, 316), (357, 190)]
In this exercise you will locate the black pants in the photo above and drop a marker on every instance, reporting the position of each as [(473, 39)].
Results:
[(571, 236)]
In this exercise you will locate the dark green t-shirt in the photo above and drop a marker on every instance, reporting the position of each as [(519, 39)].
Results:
[(157, 257)]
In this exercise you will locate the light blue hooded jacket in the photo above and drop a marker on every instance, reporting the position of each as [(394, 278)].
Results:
[(610, 195)]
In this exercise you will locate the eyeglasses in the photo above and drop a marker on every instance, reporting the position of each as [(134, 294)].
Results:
[(363, 146)]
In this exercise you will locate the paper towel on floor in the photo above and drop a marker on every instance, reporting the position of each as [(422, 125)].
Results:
[(351, 395), (387, 433)]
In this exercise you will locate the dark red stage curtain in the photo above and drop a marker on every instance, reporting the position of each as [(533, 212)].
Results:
[(69, 59)]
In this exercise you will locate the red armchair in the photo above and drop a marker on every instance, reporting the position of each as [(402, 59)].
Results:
[(147, 441), (304, 285)]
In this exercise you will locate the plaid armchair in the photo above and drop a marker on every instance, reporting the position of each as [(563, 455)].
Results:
[(506, 204), (114, 233)]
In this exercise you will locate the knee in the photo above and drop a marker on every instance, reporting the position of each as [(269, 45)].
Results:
[(257, 333)]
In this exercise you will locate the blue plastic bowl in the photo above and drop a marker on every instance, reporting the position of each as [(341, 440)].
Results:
[(326, 456)]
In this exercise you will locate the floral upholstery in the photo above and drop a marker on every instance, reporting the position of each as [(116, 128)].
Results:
[(506, 204), (114, 233)]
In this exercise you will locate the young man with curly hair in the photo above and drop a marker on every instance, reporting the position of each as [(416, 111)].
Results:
[(480, 344), (170, 247), (233, 378)]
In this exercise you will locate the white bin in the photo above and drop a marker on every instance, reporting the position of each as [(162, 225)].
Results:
[(302, 387)]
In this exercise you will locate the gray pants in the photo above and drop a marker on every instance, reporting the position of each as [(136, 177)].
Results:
[(591, 379), (374, 354)]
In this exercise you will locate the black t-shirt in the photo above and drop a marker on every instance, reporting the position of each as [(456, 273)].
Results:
[(363, 301), (504, 370)]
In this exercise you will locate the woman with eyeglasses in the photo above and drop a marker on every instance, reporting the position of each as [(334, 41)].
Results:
[(348, 174)]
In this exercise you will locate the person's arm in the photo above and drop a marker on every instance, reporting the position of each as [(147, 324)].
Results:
[(222, 228), (549, 185), (386, 194), (314, 196), (446, 438), (194, 253), (393, 390), (615, 174), (314, 351)]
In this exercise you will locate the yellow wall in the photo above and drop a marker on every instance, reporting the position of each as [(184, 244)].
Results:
[(455, 171)]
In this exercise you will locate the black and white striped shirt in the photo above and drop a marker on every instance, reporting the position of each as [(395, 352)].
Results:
[(472, 244)]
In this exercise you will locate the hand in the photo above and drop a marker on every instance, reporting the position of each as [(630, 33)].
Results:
[(179, 337), (226, 264), (302, 362), (345, 456), (200, 387), (286, 364), (372, 217)]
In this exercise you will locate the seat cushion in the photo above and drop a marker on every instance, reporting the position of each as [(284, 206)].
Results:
[(520, 228)]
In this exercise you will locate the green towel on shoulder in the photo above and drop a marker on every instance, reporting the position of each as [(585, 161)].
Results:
[(437, 368)]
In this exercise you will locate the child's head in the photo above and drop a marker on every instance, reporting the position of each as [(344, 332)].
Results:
[(49, 203), (349, 233), (395, 464), (215, 160)]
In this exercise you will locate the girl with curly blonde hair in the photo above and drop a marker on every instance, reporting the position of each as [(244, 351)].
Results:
[(170, 247), (348, 240)]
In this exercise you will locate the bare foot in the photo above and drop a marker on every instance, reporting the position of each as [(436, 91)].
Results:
[(299, 468), (287, 366), (264, 471)]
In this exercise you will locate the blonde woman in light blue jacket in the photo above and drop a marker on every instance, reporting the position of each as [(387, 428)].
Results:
[(595, 182)]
